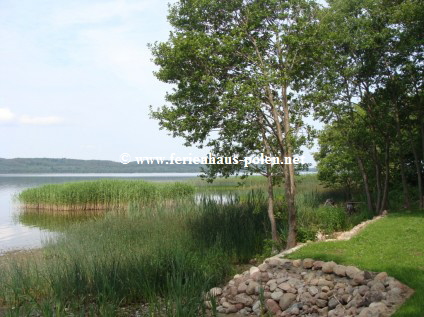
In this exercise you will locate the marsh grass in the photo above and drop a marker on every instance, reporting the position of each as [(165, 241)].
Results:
[(101, 195), (164, 257)]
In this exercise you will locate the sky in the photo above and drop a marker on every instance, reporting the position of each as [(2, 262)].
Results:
[(76, 80)]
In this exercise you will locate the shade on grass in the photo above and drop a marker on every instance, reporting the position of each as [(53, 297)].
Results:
[(394, 245)]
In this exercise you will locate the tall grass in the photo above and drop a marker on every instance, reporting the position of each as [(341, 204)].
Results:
[(166, 258), (101, 194)]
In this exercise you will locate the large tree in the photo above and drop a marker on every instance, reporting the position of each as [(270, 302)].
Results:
[(239, 69)]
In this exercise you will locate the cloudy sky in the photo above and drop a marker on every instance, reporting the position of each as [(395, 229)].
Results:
[(76, 79)]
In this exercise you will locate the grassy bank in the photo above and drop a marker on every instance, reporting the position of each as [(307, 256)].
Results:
[(156, 258), (394, 245), (102, 194)]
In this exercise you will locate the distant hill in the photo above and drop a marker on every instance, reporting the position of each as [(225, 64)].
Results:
[(54, 165)]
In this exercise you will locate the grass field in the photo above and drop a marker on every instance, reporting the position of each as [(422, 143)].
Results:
[(394, 245)]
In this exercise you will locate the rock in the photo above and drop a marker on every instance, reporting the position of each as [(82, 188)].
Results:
[(284, 286), (328, 267), (318, 265), (308, 263), (277, 295), (379, 307), (381, 277), (313, 290), (242, 288), (244, 299), (351, 271), (332, 303), (275, 262), (359, 278), (297, 263), (216, 291), (286, 300), (252, 288), (321, 303), (378, 286), (368, 312), (255, 273), (257, 307), (340, 270), (263, 267), (363, 289), (232, 309), (272, 306)]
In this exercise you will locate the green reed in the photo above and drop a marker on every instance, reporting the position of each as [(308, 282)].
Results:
[(101, 194)]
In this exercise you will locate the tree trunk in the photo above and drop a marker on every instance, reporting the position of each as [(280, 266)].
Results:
[(290, 181), (271, 214), (384, 200), (406, 202), (419, 175), (366, 184), (377, 179)]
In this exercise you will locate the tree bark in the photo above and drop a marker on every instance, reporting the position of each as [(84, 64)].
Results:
[(366, 183), (290, 181), (271, 214), (384, 200), (406, 202), (419, 175)]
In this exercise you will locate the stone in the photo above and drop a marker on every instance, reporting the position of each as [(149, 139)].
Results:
[(328, 267), (297, 263), (351, 271), (321, 303), (381, 277), (308, 263), (244, 299), (332, 303), (359, 278), (277, 295), (318, 265), (275, 262), (272, 306), (232, 309), (378, 286), (242, 288), (379, 307), (257, 307), (216, 291), (286, 300), (340, 270), (284, 286), (252, 288), (313, 290), (263, 267)]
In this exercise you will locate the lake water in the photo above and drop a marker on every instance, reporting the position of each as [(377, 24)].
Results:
[(18, 234)]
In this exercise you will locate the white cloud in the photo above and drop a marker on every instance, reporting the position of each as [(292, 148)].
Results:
[(6, 115), (51, 120)]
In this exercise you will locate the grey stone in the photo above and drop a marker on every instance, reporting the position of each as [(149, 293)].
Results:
[(328, 267), (244, 299), (286, 300)]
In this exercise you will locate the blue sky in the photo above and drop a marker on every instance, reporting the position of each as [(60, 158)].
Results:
[(76, 79)]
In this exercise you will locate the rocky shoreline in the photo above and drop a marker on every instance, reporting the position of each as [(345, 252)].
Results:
[(309, 288)]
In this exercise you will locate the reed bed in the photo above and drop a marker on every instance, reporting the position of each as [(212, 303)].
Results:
[(101, 195), (153, 260)]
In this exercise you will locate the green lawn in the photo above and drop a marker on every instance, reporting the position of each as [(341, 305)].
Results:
[(394, 244)]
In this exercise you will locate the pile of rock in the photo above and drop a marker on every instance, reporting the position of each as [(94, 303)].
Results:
[(309, 288)]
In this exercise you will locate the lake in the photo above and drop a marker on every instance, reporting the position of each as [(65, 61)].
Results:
[(18, 233)]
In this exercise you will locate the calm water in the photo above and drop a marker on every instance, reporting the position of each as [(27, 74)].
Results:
[(18, 232)]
